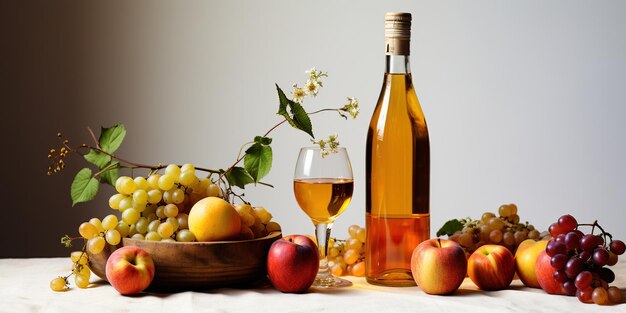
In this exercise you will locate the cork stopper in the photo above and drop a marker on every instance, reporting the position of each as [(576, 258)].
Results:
[(397, 33)]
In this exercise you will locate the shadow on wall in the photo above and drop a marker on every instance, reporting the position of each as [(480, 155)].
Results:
[(44, 88)]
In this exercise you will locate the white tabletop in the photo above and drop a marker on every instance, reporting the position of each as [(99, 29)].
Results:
[(24, 287)]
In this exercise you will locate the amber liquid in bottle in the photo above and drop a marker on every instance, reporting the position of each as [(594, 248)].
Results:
[(397, 178), (323, 199)]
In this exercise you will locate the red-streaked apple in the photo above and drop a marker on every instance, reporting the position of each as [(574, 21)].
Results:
[(130, 270), (292, 263), (438, 266), (545, 275), (491, 267), (525, 260)]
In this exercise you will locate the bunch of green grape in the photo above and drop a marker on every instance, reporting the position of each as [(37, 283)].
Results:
[(347, 257), (80, 270), (505, 230), (255, 221)]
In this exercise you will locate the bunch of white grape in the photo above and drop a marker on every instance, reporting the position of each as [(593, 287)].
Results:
[(155, 208), (80, 270), (347, 257), (255, 221), (505, 230)]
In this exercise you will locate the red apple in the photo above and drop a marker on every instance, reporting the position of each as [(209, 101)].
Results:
[(545, 275), (525, 260), (130, 270), (438, 266), (292, 263), (491, 267)]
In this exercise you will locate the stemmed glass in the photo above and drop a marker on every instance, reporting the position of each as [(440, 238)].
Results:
[(323, 185)]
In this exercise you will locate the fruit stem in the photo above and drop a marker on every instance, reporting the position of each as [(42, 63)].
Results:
[(439, 242)]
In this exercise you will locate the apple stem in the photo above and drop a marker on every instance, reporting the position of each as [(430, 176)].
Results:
[(439, 242)]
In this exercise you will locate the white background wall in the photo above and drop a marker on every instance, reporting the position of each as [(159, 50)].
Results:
[(524, 100)]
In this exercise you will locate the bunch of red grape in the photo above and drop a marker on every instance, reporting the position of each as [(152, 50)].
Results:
[(580, 260)]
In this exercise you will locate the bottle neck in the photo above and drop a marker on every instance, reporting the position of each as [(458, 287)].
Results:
[(397, 64)]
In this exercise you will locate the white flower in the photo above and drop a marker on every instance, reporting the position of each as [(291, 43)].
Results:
[(298, 94), (312, 87)]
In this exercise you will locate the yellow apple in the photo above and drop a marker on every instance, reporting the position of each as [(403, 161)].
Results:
[(525, 260)]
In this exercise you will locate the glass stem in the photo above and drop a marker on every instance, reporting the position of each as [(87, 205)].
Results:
[(322, 233)]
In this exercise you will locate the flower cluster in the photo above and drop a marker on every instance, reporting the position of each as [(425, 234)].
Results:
[(311, 87), (351, 108), (328, 146)]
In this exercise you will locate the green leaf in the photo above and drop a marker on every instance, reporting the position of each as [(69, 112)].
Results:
[(450, 227), (263, 140), (111, 138), (258, 161), (238, 176), (296, 116), (111, 176), (301, 118), (84, 187), (98, 159), (283, 103)]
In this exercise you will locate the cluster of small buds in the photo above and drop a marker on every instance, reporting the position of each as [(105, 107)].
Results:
[(328, 146), (56, 156)]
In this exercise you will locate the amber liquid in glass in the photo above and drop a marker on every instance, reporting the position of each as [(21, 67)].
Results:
[(397, 186), (323, 199)]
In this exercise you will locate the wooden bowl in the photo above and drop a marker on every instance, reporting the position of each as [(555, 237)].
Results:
[(200, 265)]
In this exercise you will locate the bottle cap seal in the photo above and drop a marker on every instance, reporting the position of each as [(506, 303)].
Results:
[(397, 33)]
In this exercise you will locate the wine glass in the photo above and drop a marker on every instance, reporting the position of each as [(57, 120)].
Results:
[(323, 187)]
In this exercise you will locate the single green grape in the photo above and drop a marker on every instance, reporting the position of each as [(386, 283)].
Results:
[(113, 237), (114, 201), (125, 185), (142, 225), (170, 210), (185, 235), (178, 196), (123, 228), (81, 281), (95, 245), (174, 222), (58, 284), (166, 182), (187, 178), (154, 196), (109, 222), (165, 230), (153, 236), (173, 170), (96, 222), (125, 203), (153, 181), (187, 168), (140, 197), (87, 230), (142, 183), (130, 216)]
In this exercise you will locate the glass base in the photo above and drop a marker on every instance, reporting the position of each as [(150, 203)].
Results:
[(323, 281), (392, 278)]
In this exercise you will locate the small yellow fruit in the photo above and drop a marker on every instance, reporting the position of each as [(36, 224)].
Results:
[(212, 219)]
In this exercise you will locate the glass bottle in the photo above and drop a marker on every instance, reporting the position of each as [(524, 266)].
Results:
[(397, 167)]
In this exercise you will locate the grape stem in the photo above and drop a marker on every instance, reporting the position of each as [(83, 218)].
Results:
[(134, 165), (596, 224)]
